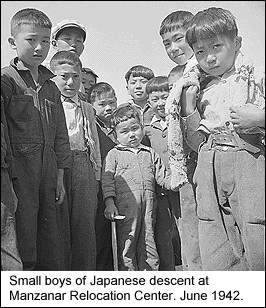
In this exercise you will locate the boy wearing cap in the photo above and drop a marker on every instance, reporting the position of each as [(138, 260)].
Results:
[(89, 78), (69, 35)]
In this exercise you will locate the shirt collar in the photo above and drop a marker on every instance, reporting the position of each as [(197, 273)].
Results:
[(74, 99), (44, 72)]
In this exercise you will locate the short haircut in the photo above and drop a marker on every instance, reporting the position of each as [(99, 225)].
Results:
[(209, 23), (177, 70), (123, 113), (174, 21), (29, 17), (99, 88), (65, 57), (139, 71), (158, 83)]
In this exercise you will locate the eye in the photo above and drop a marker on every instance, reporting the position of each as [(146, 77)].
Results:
[(177, 39), (199, 52), (216, 46)]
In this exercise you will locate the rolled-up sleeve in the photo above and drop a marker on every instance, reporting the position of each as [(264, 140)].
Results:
[(108, 173), (192, 135)]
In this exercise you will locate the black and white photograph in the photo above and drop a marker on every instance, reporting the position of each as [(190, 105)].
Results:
[(133, 153)]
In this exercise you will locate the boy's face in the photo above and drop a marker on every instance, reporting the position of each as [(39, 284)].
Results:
[(136, 87), (129, 133), (176, 46), (32, 44), (216, 55), (157, 100), (70, 39), (104, 105), (173, 78), (68, 79), (88, 80)]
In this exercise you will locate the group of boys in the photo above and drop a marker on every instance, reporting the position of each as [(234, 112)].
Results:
[(76, 159)]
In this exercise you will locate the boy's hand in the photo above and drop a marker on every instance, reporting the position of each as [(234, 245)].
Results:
[(111, 210), (247, 116), (60, 189), (188, 100)]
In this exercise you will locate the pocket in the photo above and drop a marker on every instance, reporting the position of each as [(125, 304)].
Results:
[(21, 108), (26, 148), (51, 112)]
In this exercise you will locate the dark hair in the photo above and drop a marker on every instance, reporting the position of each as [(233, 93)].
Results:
[(65, 57), (158, 83), (99, 88), (139, 71), (123, 113), (29, 17), (210, 23), (177, 70), (174, 21)]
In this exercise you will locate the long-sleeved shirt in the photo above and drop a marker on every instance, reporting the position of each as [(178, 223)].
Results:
[(236, 87), (82, 130), (126, 170), (34, 113)]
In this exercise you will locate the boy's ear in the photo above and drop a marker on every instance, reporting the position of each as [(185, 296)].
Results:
[(12, 42), (127, 90), (238, 42), (54, 43)]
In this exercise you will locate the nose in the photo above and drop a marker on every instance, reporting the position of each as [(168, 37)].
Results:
[(131, 134), (108, 108), (161, 102), (138, 85), (73, 43), (38, 46), (174, 47), (211, 58), (70, 80)]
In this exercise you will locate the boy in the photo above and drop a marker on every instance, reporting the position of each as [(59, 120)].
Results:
[(168, 209), (89, 78), (136, 80), (175, 74), (103, 99), (172, 31), (230, 174), (81, 179), (69, 35), (39, 141), (129, 174)]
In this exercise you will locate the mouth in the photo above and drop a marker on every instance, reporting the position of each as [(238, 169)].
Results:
[(178, 56), (213, 68), (138, 93)]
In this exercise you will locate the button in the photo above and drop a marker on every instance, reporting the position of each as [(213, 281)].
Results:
[(224, 148)]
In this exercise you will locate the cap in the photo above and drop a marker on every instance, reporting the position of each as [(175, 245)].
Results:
[(66, 23), (89, 70)]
